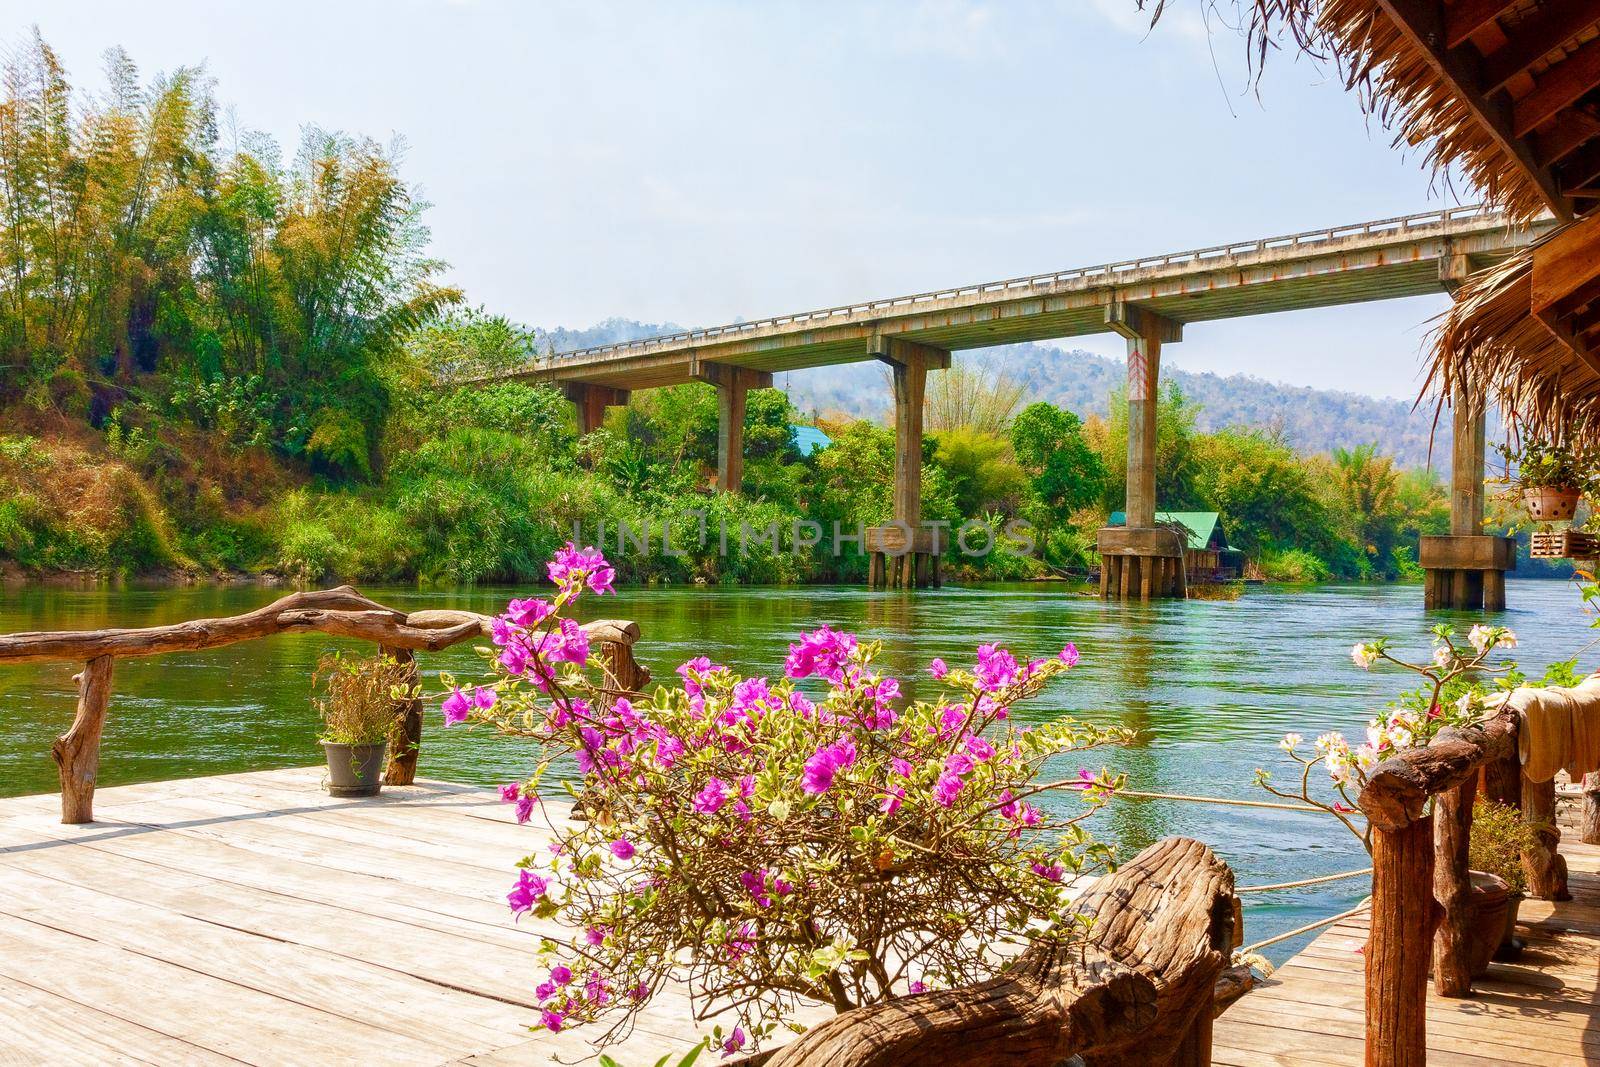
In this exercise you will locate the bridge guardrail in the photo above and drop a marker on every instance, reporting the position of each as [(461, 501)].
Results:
[(1401, 223)]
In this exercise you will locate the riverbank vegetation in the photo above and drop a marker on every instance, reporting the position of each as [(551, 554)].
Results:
[(218, 357)]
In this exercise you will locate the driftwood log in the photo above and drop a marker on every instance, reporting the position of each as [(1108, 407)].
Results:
[(1143, 990), (341, 612)]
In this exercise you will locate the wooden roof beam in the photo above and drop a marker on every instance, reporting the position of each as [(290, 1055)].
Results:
[(1582, 168), (1559, 88), (1550, 27), (1422, 23), (1467, 17), (1560, 140)]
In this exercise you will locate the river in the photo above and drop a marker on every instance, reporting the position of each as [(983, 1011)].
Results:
[(1212, 683)]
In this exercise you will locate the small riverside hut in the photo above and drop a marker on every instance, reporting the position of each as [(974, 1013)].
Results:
[(1206, 554)]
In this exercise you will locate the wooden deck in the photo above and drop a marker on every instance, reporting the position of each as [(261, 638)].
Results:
[(251, 918), (1542, 1010)]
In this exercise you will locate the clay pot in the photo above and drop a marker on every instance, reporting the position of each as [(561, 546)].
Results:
[(355, 770), (1551, 503), (1491, 904), (1510, 945)]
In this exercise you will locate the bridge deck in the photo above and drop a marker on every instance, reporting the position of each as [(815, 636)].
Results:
[(1542, 1010), (1377, 260), (250, 917)]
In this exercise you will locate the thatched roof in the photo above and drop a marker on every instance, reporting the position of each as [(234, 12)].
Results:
[(1503, 90), (1507, 93)]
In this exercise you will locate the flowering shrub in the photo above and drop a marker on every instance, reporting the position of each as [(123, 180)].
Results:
[(768, 841), (1451, 694)]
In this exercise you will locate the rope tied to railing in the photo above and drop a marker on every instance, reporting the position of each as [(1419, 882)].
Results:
[(1306, 929), (1320, 879)]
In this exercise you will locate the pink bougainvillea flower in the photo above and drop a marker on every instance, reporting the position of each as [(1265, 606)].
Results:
[(938, 669), (529, 888), (550, 1020), (1069, 654), (1049, 872), (996, 669), (709, 800), (455, 707), (530, 612), (622, 848), (826, 762), (525, 808), (823, 652), (561, 975), (483, 698), (918, 987), (734, 1043), (1086, 780), (510, 792)]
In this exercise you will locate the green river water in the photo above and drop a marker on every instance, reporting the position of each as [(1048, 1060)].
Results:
[(1213, 684)]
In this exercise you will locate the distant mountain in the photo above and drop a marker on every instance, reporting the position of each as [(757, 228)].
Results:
[(1311, 420)]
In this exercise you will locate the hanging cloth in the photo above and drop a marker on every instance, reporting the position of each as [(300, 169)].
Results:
[(1560, 729)]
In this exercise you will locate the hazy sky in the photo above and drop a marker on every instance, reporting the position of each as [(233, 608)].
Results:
[(696, 161)]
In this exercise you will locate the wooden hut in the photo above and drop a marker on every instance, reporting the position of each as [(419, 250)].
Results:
[(1207, 556)]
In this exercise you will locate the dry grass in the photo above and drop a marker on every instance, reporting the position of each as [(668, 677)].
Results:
[(361, 696)]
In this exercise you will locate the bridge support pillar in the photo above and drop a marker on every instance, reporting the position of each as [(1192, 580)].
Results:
[(1467, 570), (591, 401), (733, 387), (916, 562), (1140, 560)]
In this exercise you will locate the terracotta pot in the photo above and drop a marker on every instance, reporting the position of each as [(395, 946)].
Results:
[(1551, 503), (1491, 901), (355, 770), (1510, 945)]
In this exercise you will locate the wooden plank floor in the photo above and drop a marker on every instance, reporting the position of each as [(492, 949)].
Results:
[(1543, 1009), (252, 918)]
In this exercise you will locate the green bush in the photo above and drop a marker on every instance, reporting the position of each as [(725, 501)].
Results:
[(1293, 565)]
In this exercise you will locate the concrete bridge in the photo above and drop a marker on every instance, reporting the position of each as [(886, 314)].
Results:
[(1148, 301)]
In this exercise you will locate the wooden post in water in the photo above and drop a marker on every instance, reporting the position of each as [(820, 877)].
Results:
[(405, 741), (1452, 887), (77, 752), (1404, 915)]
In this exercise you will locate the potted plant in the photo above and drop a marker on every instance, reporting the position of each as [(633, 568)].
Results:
[(1550, 479), (1499, 837), (359, 705)]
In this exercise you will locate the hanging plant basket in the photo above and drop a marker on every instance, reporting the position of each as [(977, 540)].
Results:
[(1563, 544), (1551, 503)]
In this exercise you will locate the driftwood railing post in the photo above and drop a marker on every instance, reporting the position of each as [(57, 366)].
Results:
[(1589, 816), (406, 743), (1405, 879), (1546, 868), (77, 752), (1452, 887)]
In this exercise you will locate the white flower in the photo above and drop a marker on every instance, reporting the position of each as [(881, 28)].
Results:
[(1375, 735), (1332, 742), (1400, 737), (1444, 656), (1289, 741), (1464, 705), (1508, 639), (1363, 656), (1480, 636), (1365, 757)]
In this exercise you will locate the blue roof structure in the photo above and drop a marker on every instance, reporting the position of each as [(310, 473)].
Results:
[(809, 439)]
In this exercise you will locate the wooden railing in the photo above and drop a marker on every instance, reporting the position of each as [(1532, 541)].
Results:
[(1144, 989), (341, 612), (1421, 887)]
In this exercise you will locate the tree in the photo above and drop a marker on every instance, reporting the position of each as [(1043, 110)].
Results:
[(1066, 473), (973, 393)]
